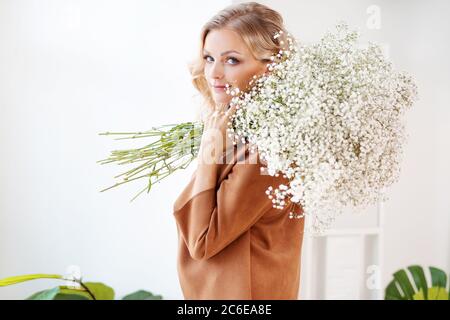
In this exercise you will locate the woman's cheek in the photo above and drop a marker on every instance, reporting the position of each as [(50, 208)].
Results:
[(233, 77)]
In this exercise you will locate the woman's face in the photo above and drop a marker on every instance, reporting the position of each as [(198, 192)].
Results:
[(228, 60)]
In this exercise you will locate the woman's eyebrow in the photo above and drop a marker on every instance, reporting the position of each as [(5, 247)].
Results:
[(223, 53)]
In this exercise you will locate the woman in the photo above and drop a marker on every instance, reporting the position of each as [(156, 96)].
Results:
[(233, 244)]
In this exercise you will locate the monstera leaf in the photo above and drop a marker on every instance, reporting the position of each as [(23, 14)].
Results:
[(402, 288)]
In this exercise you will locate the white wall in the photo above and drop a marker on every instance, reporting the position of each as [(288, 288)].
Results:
[(69, 70)]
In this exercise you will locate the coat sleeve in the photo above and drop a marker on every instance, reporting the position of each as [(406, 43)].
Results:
[(213, 217)]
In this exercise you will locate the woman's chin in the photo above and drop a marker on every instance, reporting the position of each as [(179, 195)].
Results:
[(224, 100)]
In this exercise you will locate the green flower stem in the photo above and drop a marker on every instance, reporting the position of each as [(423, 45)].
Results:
[(87, 289), (175, 147)]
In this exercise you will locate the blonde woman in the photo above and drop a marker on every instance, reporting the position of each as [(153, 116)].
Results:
[(233, 244)]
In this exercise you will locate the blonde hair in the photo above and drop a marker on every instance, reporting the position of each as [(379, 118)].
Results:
[(257, 24)]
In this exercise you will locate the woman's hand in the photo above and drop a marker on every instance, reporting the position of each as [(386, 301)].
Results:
[(215, 140)]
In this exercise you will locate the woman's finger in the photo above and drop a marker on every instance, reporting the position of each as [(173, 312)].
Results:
[(215, 113), (231, 110)]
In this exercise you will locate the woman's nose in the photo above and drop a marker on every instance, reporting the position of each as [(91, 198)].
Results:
[(216, 71)]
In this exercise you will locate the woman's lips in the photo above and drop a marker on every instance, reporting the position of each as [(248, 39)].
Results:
[(219, 88)]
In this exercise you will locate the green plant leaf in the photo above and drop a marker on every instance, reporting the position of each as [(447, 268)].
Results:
[(64, 296), (69, 291), (405, 284), (44, 295), (142, 295), (401, 286), (434, 293), (419, 295), (392, 292), (419, 279), (438, 277), (100, 290), (437, 293), (17, 279)]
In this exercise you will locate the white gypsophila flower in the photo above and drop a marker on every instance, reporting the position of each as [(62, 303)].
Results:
[(330, 117)]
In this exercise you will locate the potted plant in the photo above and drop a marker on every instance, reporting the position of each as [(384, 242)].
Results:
[(79, 291)]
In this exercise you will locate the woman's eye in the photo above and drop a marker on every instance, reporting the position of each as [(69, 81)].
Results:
[(206, 58), (236, 61)]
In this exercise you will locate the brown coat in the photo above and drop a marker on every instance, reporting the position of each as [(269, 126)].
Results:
[(232, 243)]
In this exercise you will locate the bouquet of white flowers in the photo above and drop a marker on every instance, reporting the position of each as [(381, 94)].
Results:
[(328, 116)]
